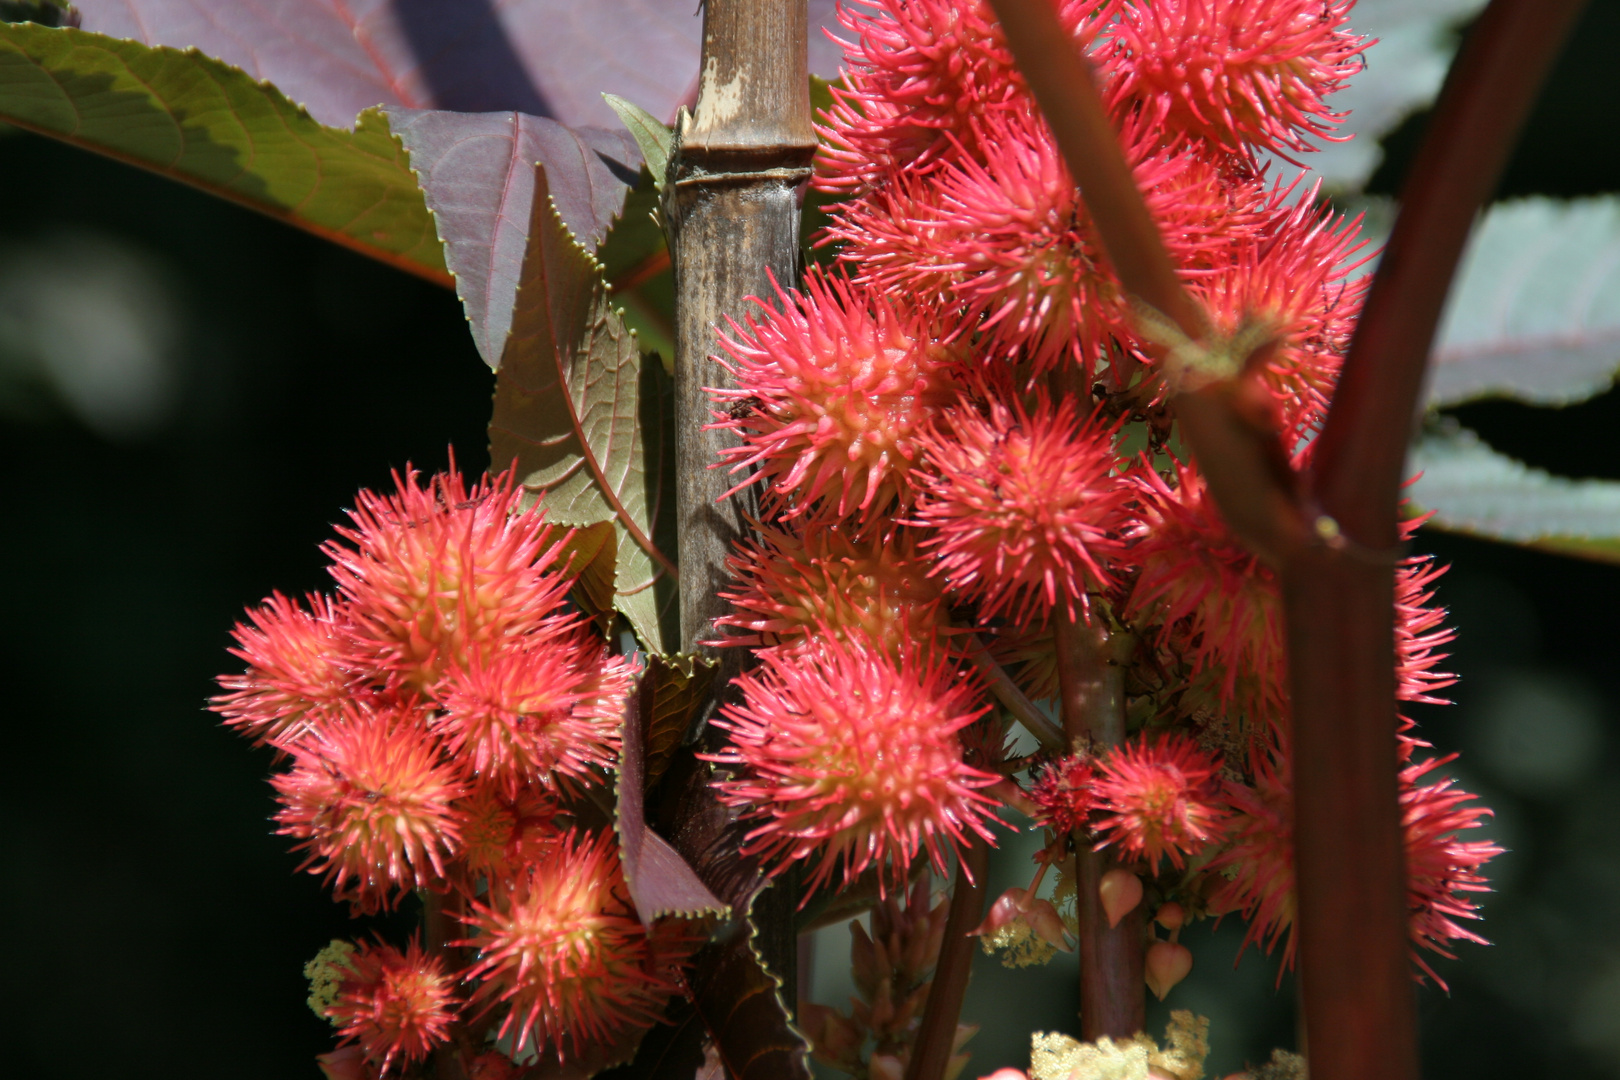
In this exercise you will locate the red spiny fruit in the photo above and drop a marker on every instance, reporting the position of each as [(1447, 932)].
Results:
[(1011, 238), (836, 388), (1441, 871), (846, 752), (1420, 630), (1160, 797), (563, 951), (1217, 605), (1237, 73), (502, 837), (372, 802), (920, 71), (439, 574), (397, 1006), (545, 710), (1064, 793), (1025, 506), (796, 586), (1298, 279), (1254, 876), (296, 671)]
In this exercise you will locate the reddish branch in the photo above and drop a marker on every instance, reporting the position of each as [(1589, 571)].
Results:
[(936, 1034), (1338, 589)]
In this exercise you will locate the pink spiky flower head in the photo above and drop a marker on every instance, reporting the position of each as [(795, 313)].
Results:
[(544, 711), (439, 574), (919, 72), (563, 951), (845, 752), (795, 587), (371, 799), (1216, 604), (1025, 506), (396, 1005), (1065, 793), (1237, 73), (296, 671), (834, 390), (1011, 237), (1159, 797), (502, 837)]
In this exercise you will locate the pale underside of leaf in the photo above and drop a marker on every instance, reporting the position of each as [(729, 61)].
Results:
[(477, 175), (1535, 312), (580, 415), (205, 123), (1403, 73), (1473, 489)]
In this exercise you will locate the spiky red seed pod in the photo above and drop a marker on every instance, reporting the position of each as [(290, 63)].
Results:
[(372, 801), (1011, 238), (835, 389), (920, 71), (1420, 630), (1064, 793), (396, 1006), (1026, 508), (501, 837), (1443, 871), (795, 586), (562, 949), (1159, 797), (438, 574), (1299, 278), (1237, 73), (848, 754), (296, 669), (1254, 875), (544, 711), (1216, 604)]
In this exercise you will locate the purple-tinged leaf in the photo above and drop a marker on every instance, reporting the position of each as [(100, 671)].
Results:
[(660, 881), (551, 58), (197, 120), (585, 420), (477, 174)]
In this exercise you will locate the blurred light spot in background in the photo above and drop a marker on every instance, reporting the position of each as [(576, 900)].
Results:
[(91, 324), (1538, 733)]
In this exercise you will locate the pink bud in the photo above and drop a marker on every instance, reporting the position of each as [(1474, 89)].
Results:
[(1167, 964), (1006, 1074), (886, 1067), (1121, 891), (1008, 906), (1171, 916)]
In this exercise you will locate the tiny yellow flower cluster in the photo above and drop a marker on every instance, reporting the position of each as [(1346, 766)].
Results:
[(325, 974), (1055, 1056)]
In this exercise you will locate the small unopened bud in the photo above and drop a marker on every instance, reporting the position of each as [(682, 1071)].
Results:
[(1121, 891), (1167, 964), (1008, 1073), (1171, 916), (886, 1067)]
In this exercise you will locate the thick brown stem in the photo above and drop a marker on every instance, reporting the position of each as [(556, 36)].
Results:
[(732, 204), (1113, 995), (936, 1035), (732, 208)]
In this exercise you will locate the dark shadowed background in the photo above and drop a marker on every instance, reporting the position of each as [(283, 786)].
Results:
[(189, 396)]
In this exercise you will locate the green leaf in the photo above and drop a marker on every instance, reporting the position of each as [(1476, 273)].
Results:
[(1472, 489), (200, 121), (680, 691), (657, 142), (588, 424), (1535, 312)]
